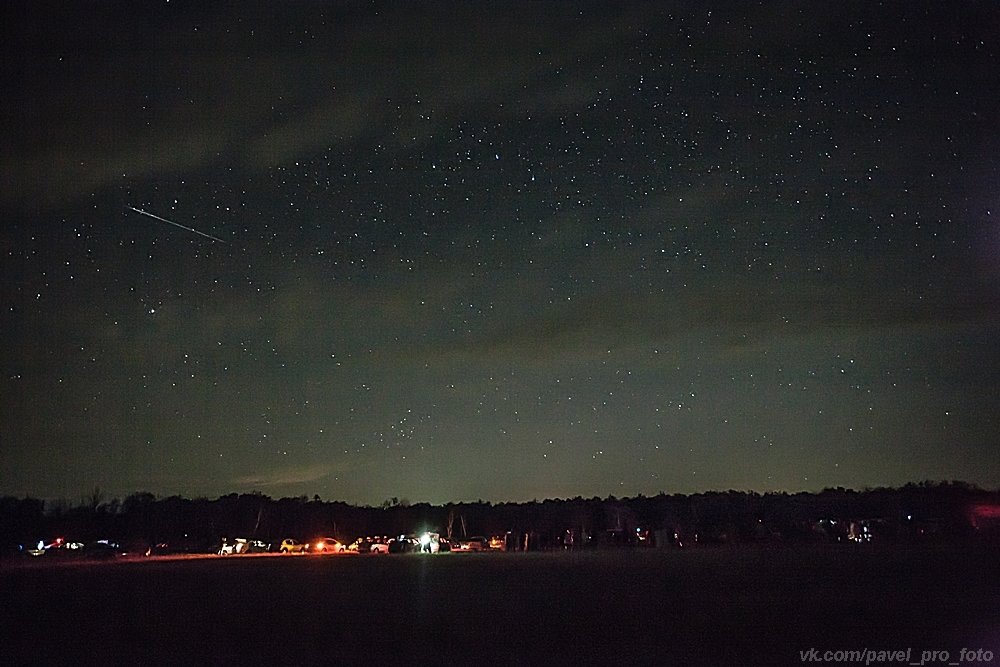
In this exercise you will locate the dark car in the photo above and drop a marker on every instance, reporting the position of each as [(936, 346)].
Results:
[(101, 550), (404, 544)]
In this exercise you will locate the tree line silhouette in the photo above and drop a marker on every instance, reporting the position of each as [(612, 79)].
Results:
[(916, 511)]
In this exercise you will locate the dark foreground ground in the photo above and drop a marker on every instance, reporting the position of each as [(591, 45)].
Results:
[(722, 606)]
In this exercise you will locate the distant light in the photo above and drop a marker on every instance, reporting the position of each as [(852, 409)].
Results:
[(425, 539)]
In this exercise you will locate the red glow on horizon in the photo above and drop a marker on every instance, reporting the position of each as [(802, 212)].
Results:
[(985, 511)]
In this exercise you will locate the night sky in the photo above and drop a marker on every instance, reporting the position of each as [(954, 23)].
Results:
[(498, 250)]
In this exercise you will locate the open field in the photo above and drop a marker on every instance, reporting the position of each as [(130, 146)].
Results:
[(721, 606)]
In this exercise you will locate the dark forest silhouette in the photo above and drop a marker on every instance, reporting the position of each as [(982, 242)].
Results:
[(926, 511)]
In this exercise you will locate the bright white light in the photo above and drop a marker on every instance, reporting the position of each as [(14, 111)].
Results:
[(425, 539)]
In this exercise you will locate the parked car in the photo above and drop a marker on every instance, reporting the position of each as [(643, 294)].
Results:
[(364, 545), (41, 548), (64, 549), (258, 547), (58, 548), (102, 550), (180, 545), (473, 544), (290, 546), (430, 543), (231, 547), (404, 544), (241, 545), (327, 545)]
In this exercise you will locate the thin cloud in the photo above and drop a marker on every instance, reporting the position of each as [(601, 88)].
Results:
[(290, 476)]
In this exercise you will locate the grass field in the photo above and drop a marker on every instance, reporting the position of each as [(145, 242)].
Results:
[(712, 606)]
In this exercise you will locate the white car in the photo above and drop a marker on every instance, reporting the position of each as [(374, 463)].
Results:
[(242, 545), (327, 545), (229, 548)]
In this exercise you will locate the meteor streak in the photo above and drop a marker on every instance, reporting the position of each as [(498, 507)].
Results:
[(175, 224)]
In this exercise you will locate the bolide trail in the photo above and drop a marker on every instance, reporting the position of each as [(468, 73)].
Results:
[(175, 224)]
